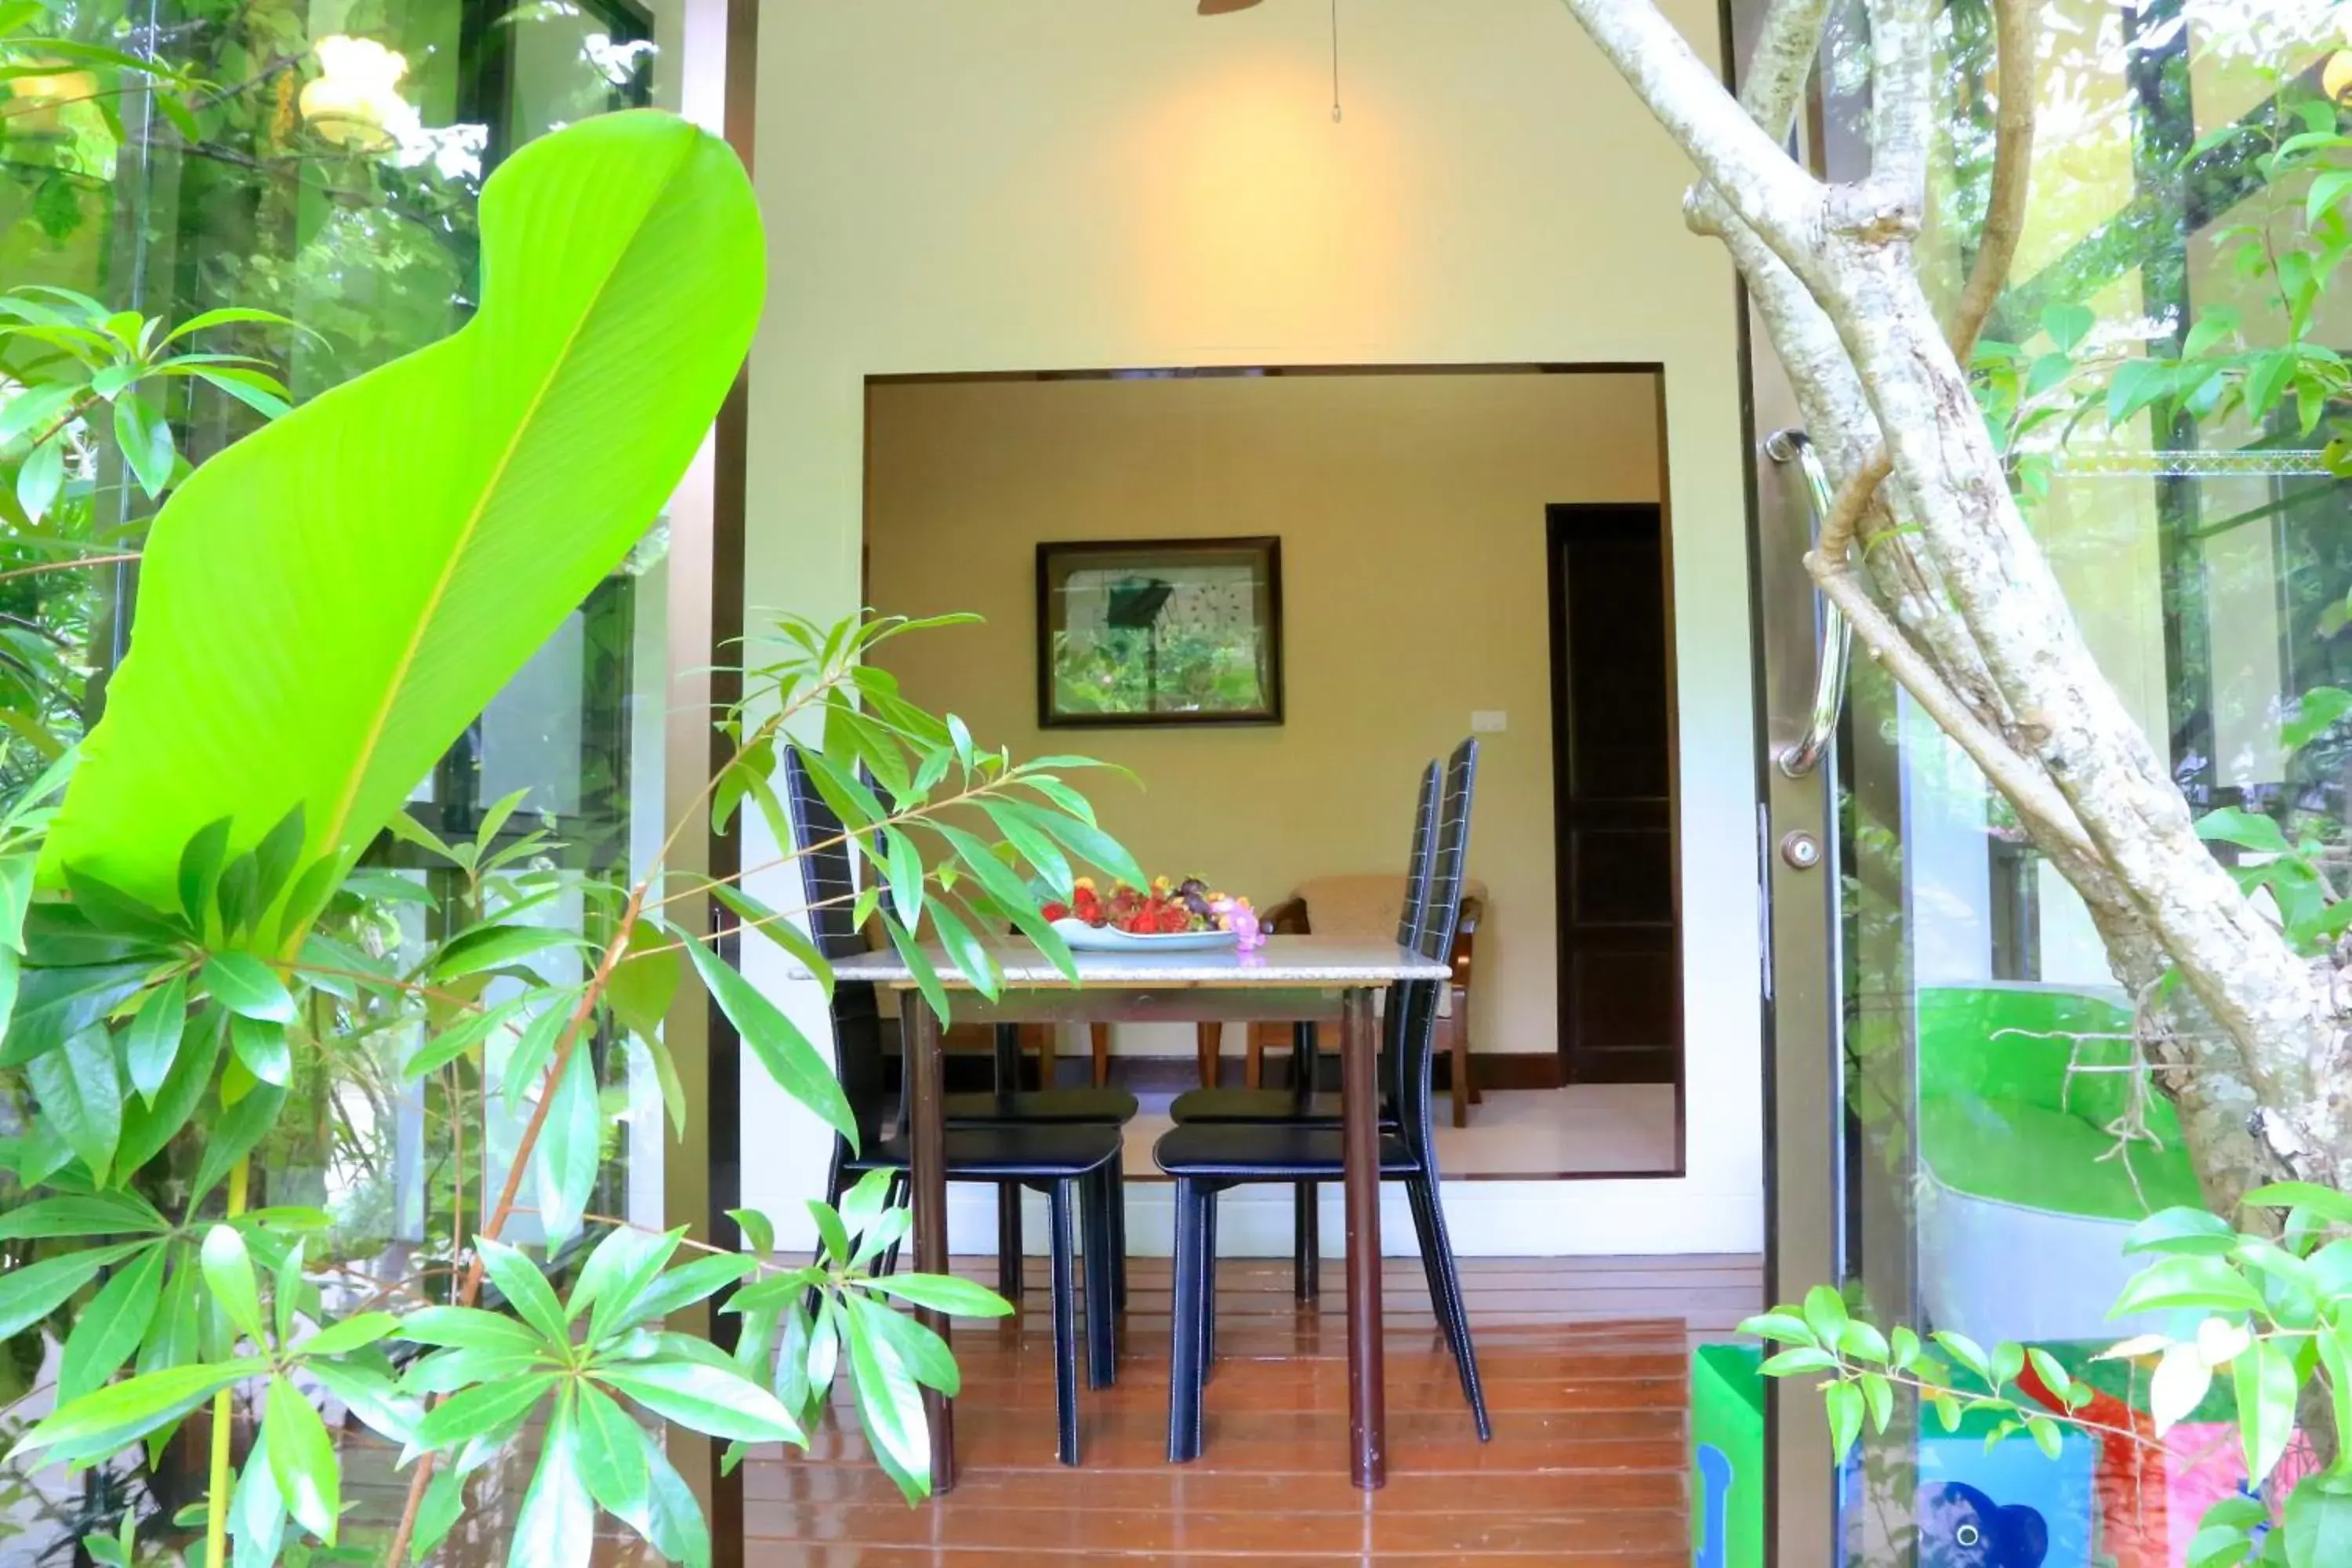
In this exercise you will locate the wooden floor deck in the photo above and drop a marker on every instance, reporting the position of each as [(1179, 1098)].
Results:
[(1585, 1362)]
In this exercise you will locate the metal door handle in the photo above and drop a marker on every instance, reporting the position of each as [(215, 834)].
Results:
[(1829, 679)]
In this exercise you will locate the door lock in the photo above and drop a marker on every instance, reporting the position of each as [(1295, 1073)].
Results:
[(1801, 849)]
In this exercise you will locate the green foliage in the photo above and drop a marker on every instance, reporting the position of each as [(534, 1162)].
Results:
[(2276, 1316), (202, 978), (388, 521), (98, 404), (2218, 371), (838, 1310), (84, 390), (138, 1025)]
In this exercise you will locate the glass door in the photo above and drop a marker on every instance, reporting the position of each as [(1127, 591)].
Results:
[(1961, 1134), (332, 173)]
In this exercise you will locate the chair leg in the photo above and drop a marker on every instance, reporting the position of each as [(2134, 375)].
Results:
[(1439, 1301), (1008, 1240), (1314, 1242), (896, 1195), (1099, 1038), (1007, 1073), (1458, 1048), (1117, 1182), (1253, 1057), (1465, 1355), (1095, 1204), (1065, 1328), (1462, 1021), (1184, 1335), (1208, 1046), (1209, 1285), (833, 1183), (1306, 1242)]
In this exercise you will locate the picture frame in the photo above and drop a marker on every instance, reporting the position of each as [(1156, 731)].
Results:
[(1156, 632)]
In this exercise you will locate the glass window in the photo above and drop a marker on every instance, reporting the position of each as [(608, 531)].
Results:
[(333, 173), (1999, 1139)]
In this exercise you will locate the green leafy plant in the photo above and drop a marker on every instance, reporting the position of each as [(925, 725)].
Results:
[(2218, 371), (837, 1311), (432, 579), (119, 359), (191, 933), (2272, 1314), (52, 73), (66, 360), (102, 408)]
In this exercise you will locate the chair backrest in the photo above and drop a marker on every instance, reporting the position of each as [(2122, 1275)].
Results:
[(829, 891), (1422, 863), (1450, 860), (1366, 904), (1411, 915), (1418, 1000)]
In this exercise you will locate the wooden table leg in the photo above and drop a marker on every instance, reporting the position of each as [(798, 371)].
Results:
[(928, 1182), (1360, 1109)]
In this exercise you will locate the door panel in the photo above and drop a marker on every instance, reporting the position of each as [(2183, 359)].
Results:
[(1938, 1154), (1613, 724)]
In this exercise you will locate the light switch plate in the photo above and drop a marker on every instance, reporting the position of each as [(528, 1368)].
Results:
[(1488, 720)]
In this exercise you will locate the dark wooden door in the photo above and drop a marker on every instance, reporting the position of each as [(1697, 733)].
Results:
[(1612, 741)]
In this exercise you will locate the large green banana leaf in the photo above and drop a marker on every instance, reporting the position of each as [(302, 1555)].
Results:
[(325, 605)]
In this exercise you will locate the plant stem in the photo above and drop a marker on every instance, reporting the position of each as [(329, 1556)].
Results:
[(76, 563), (216, 1498), (472, 1288)]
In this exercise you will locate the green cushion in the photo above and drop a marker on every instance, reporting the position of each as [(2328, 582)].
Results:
[(2014, 1042), (2001, 1118), (2014, 1152)]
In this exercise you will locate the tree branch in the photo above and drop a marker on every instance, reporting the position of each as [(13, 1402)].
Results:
[(1838, 416), (1781, 63), (1781, 201), (2026, 786), (2012, 159), (1902, 110)]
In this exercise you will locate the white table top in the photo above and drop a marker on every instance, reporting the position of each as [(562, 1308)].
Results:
[(1284, 962)]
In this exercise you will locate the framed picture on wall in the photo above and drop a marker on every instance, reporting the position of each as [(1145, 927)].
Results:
[(1159, 631)]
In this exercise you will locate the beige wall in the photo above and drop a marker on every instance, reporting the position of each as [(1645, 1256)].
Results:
[(1024, 184), (1411, 511)]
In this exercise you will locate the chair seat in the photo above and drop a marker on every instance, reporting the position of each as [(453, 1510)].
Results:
[(1228, 1150), (1254, 1105), (1006, 1152), (1114, 1105), (1261, 1105)]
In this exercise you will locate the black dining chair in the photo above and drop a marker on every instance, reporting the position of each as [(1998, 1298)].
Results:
[(1207, 1157), (1305, 1104), (1074, 1164), (1006, 1102)]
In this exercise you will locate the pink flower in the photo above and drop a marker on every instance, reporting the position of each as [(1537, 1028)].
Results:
[(1236, 916)]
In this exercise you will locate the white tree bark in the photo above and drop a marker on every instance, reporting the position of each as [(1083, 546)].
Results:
[(1962, 606)]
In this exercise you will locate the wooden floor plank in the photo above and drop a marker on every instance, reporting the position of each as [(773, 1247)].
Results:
[(1585, 1367)]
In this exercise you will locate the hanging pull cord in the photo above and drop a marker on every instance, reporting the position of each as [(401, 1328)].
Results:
[(1335, 62)]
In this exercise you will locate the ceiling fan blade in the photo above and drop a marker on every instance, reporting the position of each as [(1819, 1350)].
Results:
[(1223, 7)]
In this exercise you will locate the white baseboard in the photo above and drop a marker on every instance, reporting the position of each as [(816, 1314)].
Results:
[(1486, 1219)]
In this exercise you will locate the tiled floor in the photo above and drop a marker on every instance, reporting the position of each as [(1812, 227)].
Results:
[(1588, 1130)]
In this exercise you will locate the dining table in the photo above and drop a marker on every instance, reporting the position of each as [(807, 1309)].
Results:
[(1287, 979)]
